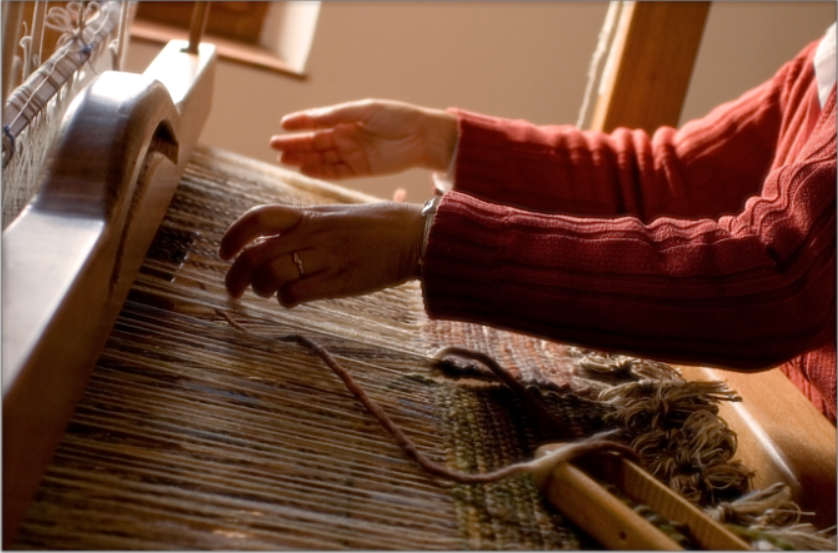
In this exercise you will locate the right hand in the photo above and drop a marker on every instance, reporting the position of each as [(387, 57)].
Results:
[(367, 138), (345, 249)]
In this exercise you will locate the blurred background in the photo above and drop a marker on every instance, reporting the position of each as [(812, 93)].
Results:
[(526, 60)]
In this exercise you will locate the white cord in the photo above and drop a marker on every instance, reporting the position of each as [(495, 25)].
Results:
[(595, 69)]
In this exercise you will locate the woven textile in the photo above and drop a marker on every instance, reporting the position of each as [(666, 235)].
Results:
[(192, 434)]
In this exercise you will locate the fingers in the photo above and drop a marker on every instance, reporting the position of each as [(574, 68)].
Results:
[(260, 221), (318, 118), (273, 274), (304, 142), (294, 276), (251, 261), (284, 269), (320, 286), (326, 165), (269, 265), (316, 154)]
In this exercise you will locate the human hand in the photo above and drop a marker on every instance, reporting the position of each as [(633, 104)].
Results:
[(367, 138), (328, 251)]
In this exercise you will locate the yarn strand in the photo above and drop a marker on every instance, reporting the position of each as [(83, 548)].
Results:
[(541, 465)]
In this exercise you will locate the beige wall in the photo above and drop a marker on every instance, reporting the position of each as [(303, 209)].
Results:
[(513, 59), (745, 43)]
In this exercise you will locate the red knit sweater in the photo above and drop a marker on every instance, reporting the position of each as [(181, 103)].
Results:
[(713, 244)]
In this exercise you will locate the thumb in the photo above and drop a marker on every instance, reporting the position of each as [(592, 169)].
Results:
[(318, 118), (260, 221)]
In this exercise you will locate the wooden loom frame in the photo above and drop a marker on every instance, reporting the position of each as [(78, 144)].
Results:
[(653, 56), (120, 154)]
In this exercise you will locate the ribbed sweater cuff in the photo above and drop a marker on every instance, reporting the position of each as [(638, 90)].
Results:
[(460, 270), (486, 157)]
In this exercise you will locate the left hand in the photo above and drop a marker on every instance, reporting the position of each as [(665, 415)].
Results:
[(367, 138), (344, 250)]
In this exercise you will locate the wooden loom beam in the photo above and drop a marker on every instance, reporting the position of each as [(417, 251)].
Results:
[(122, 150), (652, 60), (782, 437)]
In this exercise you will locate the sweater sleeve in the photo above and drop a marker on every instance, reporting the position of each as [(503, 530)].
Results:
[(708, 168), (745, 291)]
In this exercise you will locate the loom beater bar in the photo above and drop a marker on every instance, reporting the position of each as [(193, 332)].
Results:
[(123, 148)]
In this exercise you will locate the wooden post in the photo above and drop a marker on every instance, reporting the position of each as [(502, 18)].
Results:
[(651, 63), (199, 23)]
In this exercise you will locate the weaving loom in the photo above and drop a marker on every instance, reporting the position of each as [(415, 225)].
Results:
[(193, 434)]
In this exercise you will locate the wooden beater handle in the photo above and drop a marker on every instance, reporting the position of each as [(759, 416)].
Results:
[(610, 521), (604, 517)]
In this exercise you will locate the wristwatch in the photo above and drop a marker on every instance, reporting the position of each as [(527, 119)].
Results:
[(428, 212)]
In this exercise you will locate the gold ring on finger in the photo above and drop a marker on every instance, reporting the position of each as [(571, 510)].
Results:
[(299, 263)]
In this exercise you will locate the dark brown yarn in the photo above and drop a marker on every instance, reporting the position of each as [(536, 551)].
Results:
[(407, 445)]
